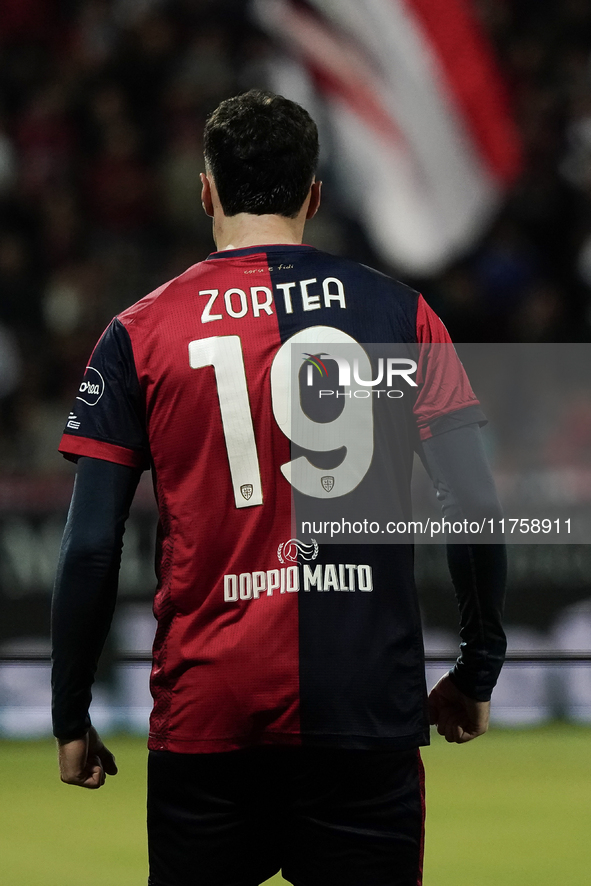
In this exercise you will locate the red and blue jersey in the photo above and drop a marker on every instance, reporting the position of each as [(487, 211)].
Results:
[(265, 637)]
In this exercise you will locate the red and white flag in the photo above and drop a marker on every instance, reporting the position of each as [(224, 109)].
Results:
[(415, 113)]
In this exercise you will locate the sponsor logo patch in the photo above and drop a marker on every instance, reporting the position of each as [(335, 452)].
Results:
[(92, 388), (289, 550)]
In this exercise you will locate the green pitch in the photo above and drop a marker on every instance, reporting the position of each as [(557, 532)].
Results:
[(510, 809)]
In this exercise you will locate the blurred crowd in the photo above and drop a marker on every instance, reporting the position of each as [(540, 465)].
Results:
[(102, 106)]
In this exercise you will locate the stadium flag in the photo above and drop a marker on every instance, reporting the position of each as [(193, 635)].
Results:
[(414, 111)]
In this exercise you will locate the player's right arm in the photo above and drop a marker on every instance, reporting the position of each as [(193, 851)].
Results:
[(82, 609), (106, 435)]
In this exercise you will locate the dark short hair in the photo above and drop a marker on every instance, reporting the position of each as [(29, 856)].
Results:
[(262, 150)]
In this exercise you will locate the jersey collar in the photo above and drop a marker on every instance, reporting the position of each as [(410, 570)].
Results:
[(265, 249)]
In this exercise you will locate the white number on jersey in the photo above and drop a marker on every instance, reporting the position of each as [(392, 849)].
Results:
[(224, 353), (352, 429)]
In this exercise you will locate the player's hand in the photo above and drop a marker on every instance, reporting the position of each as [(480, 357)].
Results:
[(456, 716), (85, 762)]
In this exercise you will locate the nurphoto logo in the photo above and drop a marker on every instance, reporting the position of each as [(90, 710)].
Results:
[(389, 371)]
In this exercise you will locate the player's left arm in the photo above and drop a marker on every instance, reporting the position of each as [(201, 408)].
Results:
[(460, 702), (82, 609), (449, 417)]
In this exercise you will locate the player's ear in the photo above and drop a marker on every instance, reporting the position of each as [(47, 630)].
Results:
[(206, 198), (314, 203)]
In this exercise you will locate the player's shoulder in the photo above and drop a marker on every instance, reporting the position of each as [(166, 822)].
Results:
[(159, 300), (380, 283), (391, 287), (393, 305)]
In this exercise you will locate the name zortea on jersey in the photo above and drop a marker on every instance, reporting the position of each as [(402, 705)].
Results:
[(309, 294)]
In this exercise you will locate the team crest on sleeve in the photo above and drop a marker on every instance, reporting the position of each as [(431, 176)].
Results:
[(289, 550), (327, 483), (92, 388)]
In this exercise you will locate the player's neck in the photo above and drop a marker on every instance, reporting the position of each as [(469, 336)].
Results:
[(239, 231)]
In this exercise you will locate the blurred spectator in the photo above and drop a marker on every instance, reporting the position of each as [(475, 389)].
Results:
[(204, 67), (94, 34), (24, 20), (181, 184), (10, 364), (119, 185), (10, 378), (45, 140), (19, 284), (574, 447), (504, 270), (8, 164), (63, 226)]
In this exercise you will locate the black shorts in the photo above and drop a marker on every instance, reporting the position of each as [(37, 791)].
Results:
[(322, 816)]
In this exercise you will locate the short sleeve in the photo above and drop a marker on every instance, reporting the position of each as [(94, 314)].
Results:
[(445, 399), (108, 417)]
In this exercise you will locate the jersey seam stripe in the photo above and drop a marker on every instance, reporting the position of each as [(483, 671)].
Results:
[(125, 331), (72, 444), (165, 735), (160, 655), (105, 440)]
